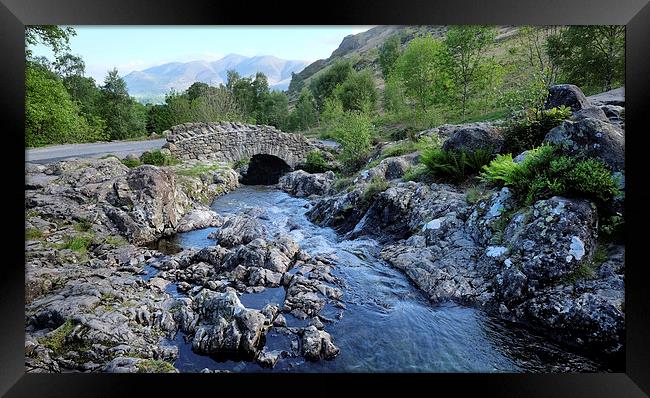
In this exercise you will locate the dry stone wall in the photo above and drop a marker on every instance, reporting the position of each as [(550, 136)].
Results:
[(230, 142)]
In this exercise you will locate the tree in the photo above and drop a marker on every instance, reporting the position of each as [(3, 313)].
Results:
[(354, 134), (534, 43), (260, 90), (69, 65), (54, 37), (56, 112), (196, 90), (296, 84), (124, 117), (159, 118), (305, 114), (324, 84), (51, 117), (331, 116), (358, 92), (394, 96), (232, 77), (592, 57), (275, 110), (423, 72), (388, 54), (83, 90), (179, 108), (467, 46), (214, 105)]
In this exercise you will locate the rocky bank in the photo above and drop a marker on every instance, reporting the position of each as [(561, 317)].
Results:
[(98, 299), (540, 266)]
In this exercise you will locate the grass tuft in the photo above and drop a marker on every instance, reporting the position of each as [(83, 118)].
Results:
[(33, 234), (155, 366)]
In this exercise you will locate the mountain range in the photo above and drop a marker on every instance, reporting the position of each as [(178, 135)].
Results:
[(151, 84)]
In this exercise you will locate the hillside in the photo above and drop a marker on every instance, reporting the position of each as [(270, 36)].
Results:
[(153, 83), (363, 50)]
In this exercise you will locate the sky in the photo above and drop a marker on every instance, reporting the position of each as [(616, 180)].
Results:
[(136, 48)]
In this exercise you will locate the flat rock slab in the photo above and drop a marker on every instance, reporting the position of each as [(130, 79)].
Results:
[(611, 97)]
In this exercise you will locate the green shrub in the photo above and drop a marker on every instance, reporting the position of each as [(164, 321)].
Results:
[(155, 366), (594, 178), (83, 226), (131, 163), (354, 134), (241, 163), (157, 158), (584, 271), (455, 166), (316, 163), (342, 183), (33, 234), (611, 227), (374, 187), (399, 149), (476, 194), (500, 170), (409, 146), (77, 244), (56, 339), (529, 131), (543, 174), (415, 173), (115, 240), (198, 170)]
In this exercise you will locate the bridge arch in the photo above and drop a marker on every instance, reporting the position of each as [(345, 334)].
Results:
[(231, 142)]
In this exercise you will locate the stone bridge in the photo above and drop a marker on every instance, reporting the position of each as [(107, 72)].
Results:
[(231, 142)]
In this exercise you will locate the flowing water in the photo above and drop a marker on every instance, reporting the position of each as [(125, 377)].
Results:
[(388, 325)]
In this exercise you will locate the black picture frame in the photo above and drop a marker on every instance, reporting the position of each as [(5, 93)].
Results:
[(635, 14)]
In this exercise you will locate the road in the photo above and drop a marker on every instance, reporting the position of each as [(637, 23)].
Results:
[(97, 150), (94, 150)]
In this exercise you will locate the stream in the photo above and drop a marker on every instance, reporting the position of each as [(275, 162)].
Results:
[(388, 325)]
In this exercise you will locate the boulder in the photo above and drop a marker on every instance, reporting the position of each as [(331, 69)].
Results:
[(390, 168), (341, 212), (87, 173), (439, 270), (276, 255), (552, 239), (590, 112), (239, 230), (615, 114), (611, 97), (473, 138), (568, 95), (147, 204), (301, 184), (268, 359), (305, 297), (226, 326), (401, 210), (211, 254), (198, 218), (592, 138), (317, 344), (446, 130), (584, 320)]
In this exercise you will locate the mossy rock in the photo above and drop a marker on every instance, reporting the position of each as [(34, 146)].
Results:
[(155, 366)]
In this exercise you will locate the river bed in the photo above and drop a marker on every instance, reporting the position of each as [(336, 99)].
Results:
[(387, 324)]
